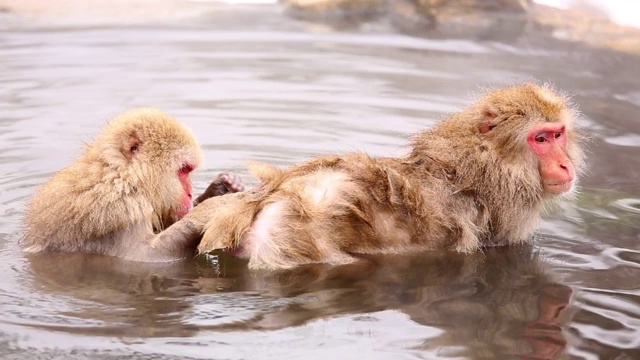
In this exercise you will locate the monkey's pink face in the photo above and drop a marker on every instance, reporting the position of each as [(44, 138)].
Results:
[(549, 142), (186, 202)]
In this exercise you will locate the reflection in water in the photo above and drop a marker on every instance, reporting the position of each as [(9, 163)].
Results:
[(492, 304), (125, 298), (498, 303)]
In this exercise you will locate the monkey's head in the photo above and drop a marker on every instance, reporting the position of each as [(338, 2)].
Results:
[(150, 156), (532, 128)]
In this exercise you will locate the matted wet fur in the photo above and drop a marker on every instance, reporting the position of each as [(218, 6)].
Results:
[(471, 181)]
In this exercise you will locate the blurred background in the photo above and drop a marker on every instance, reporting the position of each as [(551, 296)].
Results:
[(282, 82)]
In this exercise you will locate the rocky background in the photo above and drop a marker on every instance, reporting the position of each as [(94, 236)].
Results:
[(481, 19)]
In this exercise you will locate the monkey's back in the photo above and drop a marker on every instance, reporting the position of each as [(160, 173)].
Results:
[(330, 207), (76, 209)]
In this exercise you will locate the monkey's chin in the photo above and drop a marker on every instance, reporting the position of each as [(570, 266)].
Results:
[(559, 188)]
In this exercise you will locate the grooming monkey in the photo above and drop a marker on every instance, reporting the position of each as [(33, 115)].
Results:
[(480, 178), (128, 185)]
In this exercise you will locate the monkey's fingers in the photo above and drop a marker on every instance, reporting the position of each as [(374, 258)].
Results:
[(224, 183), (228, 183)]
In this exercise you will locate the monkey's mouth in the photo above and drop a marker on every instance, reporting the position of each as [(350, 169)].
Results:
[(559, 188), (182, 211)]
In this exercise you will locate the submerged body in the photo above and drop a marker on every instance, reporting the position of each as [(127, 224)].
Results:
[(129, 184), (480, 178)]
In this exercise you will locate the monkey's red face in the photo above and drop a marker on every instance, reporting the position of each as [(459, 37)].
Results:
[(186, 202), (549, 142)]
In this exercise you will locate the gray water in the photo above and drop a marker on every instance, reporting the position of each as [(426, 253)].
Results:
[(254, 85)]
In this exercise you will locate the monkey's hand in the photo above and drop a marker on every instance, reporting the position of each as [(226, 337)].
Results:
[(224, 183)]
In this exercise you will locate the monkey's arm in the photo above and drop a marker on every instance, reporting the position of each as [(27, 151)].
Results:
[(139, 243), (182, 238), (178, 241)]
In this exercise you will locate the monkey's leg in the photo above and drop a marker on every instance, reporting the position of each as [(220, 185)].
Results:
[(284, 235), (226, 219)]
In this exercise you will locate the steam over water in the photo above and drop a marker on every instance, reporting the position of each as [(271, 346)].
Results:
[(254, 85)]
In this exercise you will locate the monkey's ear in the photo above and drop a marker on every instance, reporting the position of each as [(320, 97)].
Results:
[(489, 116), (131, 146)]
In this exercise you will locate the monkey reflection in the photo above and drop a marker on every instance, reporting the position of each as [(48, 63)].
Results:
[(129, 299), (501, 303)]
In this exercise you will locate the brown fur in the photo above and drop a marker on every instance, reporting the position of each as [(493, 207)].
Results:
[(458, 189), (119, 193)]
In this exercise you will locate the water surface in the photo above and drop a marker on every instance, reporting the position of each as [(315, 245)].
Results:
[(253, 84)]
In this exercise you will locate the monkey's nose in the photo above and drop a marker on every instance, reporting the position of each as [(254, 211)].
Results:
[(567, 173)]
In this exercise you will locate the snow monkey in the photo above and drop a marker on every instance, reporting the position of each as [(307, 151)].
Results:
[(479, 178), (127, 186)]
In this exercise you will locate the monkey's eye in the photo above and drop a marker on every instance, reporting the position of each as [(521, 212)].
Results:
[(540, 139), (558, 134), (186, 168)]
